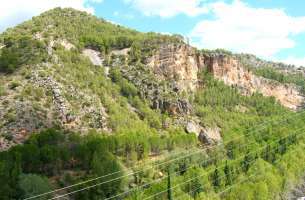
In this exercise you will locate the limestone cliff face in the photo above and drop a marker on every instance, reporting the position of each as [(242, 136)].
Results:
[(178, 63), (231, 72), (181, 64)]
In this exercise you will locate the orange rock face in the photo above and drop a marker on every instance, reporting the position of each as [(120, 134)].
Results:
[(230, 71), (181, 64)]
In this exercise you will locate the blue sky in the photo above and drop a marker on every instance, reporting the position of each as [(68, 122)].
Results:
[(271, 29)]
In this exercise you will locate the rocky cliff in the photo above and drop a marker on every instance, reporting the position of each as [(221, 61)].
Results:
[(179, 63), (182, 64), (232, 72)]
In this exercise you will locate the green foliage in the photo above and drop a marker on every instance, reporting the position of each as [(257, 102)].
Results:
[(32, 184), (139, 134), (2, 90), (103, 163), (20, 50), (220, 105), (169, 186), (135, 52), (14, 85), (52, 152), (272, 73)]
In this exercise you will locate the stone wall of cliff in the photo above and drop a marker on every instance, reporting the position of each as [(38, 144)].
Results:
[(232, 72), (181, 64)]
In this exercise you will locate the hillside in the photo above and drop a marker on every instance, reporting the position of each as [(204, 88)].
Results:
[(81, 97)]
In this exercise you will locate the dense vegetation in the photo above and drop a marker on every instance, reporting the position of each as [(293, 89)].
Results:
[(20, 50), (260, 137), (264, 151), (55, 153), (271, 73)]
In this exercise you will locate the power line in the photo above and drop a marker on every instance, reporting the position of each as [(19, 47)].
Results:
[(118, 178), (157, 180), (196, 188), (151, 167), (163, 191), (176, 173), (235, 184)]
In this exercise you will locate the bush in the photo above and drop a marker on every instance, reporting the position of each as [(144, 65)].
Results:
[(128, 89), (14, 85), (2, 91), (32, 184), (20, 50)]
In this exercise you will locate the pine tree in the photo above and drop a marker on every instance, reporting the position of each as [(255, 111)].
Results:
[(246, 162), (216, 178), (198, 187), (169, 185), (282, 146), (228, 174)]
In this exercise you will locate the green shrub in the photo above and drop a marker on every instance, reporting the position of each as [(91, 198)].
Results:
[(14, 85), (2, 91), (32, 184), (20, 50)]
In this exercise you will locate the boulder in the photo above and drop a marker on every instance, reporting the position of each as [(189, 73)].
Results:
[(210, 136), (193, 127)]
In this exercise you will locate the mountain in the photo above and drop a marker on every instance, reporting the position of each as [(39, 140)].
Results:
[(87, 97)]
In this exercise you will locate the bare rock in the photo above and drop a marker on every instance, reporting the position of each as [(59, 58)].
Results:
[(233, 73), (121, 52), (210, 136), (192, 127), (178, 63), (94, 56), (67, 45)]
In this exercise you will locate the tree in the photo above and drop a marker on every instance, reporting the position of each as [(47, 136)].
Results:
[(282, 146), (246, 162), (10, 169), (216, 180), (19, 50), (31, 158), (104, 163), (169, 185), (269, 154), (228, 173), (32, 184), (135, 52), (231, 150), (6, 190)]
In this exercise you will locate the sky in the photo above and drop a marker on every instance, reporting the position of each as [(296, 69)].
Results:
[(271, 29)]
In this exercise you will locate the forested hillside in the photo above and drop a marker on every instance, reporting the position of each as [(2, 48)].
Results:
[(94, 110)]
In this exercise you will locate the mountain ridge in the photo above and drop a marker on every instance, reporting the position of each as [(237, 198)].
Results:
[(82, 98), (170, 71)]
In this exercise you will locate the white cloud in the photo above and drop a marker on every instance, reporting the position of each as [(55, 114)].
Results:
[(13, 12), (241, 28), (168, 8)]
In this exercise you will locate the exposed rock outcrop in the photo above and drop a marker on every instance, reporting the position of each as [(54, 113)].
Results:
[(95, 111), (59, 101), (179, 63), (205, 135), (210, 136), (193, 127), (231, 71), (94, 56)]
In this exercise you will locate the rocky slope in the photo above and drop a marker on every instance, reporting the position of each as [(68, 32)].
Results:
[(182, 65), (232, 72), (74, 86)]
